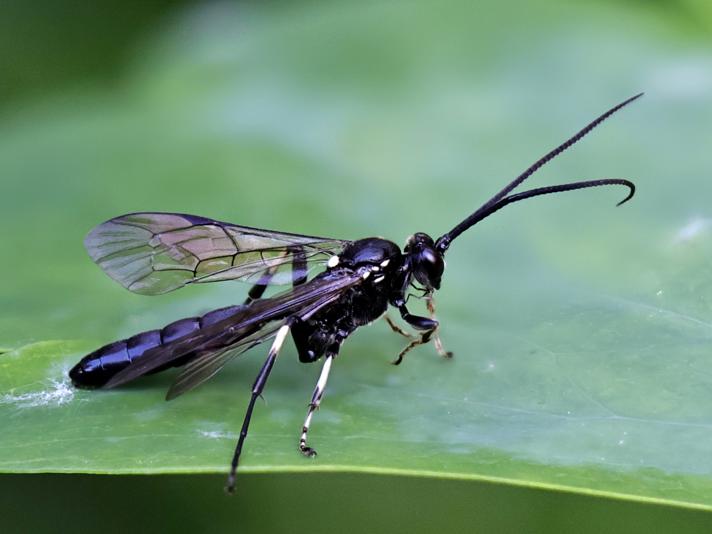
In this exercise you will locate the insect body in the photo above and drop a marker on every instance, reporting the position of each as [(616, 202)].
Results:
[(153, 253)]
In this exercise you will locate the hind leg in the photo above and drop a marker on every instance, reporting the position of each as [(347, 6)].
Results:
[(299, 274), (257, 388)]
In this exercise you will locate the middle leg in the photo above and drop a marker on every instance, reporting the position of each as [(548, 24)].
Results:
[(315, 402)]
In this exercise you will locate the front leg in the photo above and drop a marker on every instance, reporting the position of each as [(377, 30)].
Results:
[(426, 325), (416, 321), (397, 329), (436, 338)]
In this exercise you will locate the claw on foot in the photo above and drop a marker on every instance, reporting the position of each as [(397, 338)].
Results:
[(230, 486), (307, 451)]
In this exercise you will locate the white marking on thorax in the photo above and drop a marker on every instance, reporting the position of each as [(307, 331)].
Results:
[(385, 263), (333, 262)]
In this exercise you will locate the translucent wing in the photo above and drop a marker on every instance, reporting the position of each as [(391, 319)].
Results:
[(208, 364), (153, 253), (213, 345)]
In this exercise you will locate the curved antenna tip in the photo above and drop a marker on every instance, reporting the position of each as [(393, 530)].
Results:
[(631, 185), (501, 199)]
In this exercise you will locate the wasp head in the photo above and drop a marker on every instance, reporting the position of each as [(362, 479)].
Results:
[(425, 260)]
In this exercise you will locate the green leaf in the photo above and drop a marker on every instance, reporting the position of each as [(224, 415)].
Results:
[(581, 331)]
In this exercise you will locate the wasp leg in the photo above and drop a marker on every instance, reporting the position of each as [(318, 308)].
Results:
[(259, 288), (299, 265), (426, 325), (436, 337), (299, 274), (257, 388), (416, 321), (397, 329), (314, 404), (422, 339)]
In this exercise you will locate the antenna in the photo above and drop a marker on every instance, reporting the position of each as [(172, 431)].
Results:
[(501, 199)]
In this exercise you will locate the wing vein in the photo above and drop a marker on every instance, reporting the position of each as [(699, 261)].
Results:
[(136, 251)]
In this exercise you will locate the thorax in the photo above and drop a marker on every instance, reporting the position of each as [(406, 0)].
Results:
[(358, 305)]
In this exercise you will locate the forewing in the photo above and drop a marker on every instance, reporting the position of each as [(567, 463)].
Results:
[(153, 253), (248, 326)]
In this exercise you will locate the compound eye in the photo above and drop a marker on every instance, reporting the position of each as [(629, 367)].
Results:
[(428, 256), (436, 270), (429, 268)]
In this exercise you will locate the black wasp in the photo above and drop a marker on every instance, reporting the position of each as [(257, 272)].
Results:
[(153, 253)]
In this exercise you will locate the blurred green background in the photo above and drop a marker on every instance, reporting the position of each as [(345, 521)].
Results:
[(579, 396)]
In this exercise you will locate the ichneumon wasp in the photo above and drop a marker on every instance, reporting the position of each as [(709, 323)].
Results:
[(153, 253)]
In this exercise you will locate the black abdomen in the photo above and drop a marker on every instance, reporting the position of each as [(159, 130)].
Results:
[(97, 368)]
